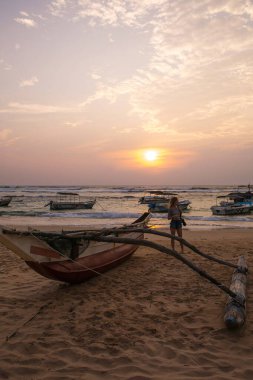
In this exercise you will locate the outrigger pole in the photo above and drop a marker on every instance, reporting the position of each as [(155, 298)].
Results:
[(235, 311)]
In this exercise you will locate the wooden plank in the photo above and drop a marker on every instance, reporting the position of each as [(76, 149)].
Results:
[(235, 310)]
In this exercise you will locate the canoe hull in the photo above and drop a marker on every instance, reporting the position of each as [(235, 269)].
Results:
[(84, 268)]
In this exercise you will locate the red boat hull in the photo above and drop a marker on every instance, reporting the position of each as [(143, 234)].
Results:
[(84, 268)]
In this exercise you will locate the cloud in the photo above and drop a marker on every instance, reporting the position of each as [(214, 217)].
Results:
[(25, 14), (231, 105), (71, 124), (29, 82), (115, 12), (8, 67), (57, 7), (4, 134), (19, 108), (28, 22), (94, 75), (199, 54), (92, 146), (5, 66), (6, 138)]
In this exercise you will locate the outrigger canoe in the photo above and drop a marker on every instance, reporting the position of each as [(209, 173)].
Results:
[(69, 256)]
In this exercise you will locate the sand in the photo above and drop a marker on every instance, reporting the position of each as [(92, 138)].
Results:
[(150, 318)]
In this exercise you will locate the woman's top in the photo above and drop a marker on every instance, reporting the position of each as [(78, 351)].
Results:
[(174, 213)]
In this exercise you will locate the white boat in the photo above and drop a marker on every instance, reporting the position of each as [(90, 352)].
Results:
[(234, 203), (158, 201), (158, 196), (164, 207), (231, 209)]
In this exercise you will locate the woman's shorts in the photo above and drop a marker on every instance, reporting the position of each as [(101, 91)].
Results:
[(176, 224)]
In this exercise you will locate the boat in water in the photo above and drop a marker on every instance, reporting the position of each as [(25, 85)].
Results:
[(240, 196), (164, 207), (158, 201), (70, 201), (231, 209), (5, 201), (234, 203), (158, 196), (70, 256)]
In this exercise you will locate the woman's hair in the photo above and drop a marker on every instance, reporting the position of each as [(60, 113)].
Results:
[(173, 201)]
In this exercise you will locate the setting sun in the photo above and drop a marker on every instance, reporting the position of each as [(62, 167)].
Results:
[(151, 155)]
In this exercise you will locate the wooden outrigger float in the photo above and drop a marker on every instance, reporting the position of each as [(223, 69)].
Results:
[(73, 257), (235, 312)]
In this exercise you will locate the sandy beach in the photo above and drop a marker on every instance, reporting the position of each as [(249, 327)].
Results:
[(149, 318)]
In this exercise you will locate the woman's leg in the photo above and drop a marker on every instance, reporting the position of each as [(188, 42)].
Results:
[(180, 234), (173, 232)]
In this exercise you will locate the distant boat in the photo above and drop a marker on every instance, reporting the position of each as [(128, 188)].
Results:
[(70, 256), (158, 196), (158, 201), (235, 203), (5, 201), (239, 196), (231, 209), (164, 207), (70, 201)]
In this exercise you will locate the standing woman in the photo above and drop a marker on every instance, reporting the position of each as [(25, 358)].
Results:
[(174, 215)]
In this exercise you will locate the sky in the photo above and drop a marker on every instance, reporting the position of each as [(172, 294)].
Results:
[(126, 92)]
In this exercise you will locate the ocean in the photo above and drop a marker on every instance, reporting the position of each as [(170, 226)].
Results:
[(115, 205)]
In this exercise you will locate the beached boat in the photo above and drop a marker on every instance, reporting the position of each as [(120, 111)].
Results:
[(5, 201), (69, 256), (164, 207), (70, 201)]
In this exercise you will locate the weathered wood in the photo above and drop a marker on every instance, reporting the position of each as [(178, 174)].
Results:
[(147, 230), (235, 312), (167, 251)]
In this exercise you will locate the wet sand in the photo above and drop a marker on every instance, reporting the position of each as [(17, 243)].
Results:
[(149, 318)]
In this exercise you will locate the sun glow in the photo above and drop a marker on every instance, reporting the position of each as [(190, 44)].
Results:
[(151, 155), (154, 159)]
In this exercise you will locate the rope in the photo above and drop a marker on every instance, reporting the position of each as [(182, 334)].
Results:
[(100, 205)]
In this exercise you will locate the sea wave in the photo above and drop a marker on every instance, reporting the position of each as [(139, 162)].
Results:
[(211, 218), (80, 215)]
